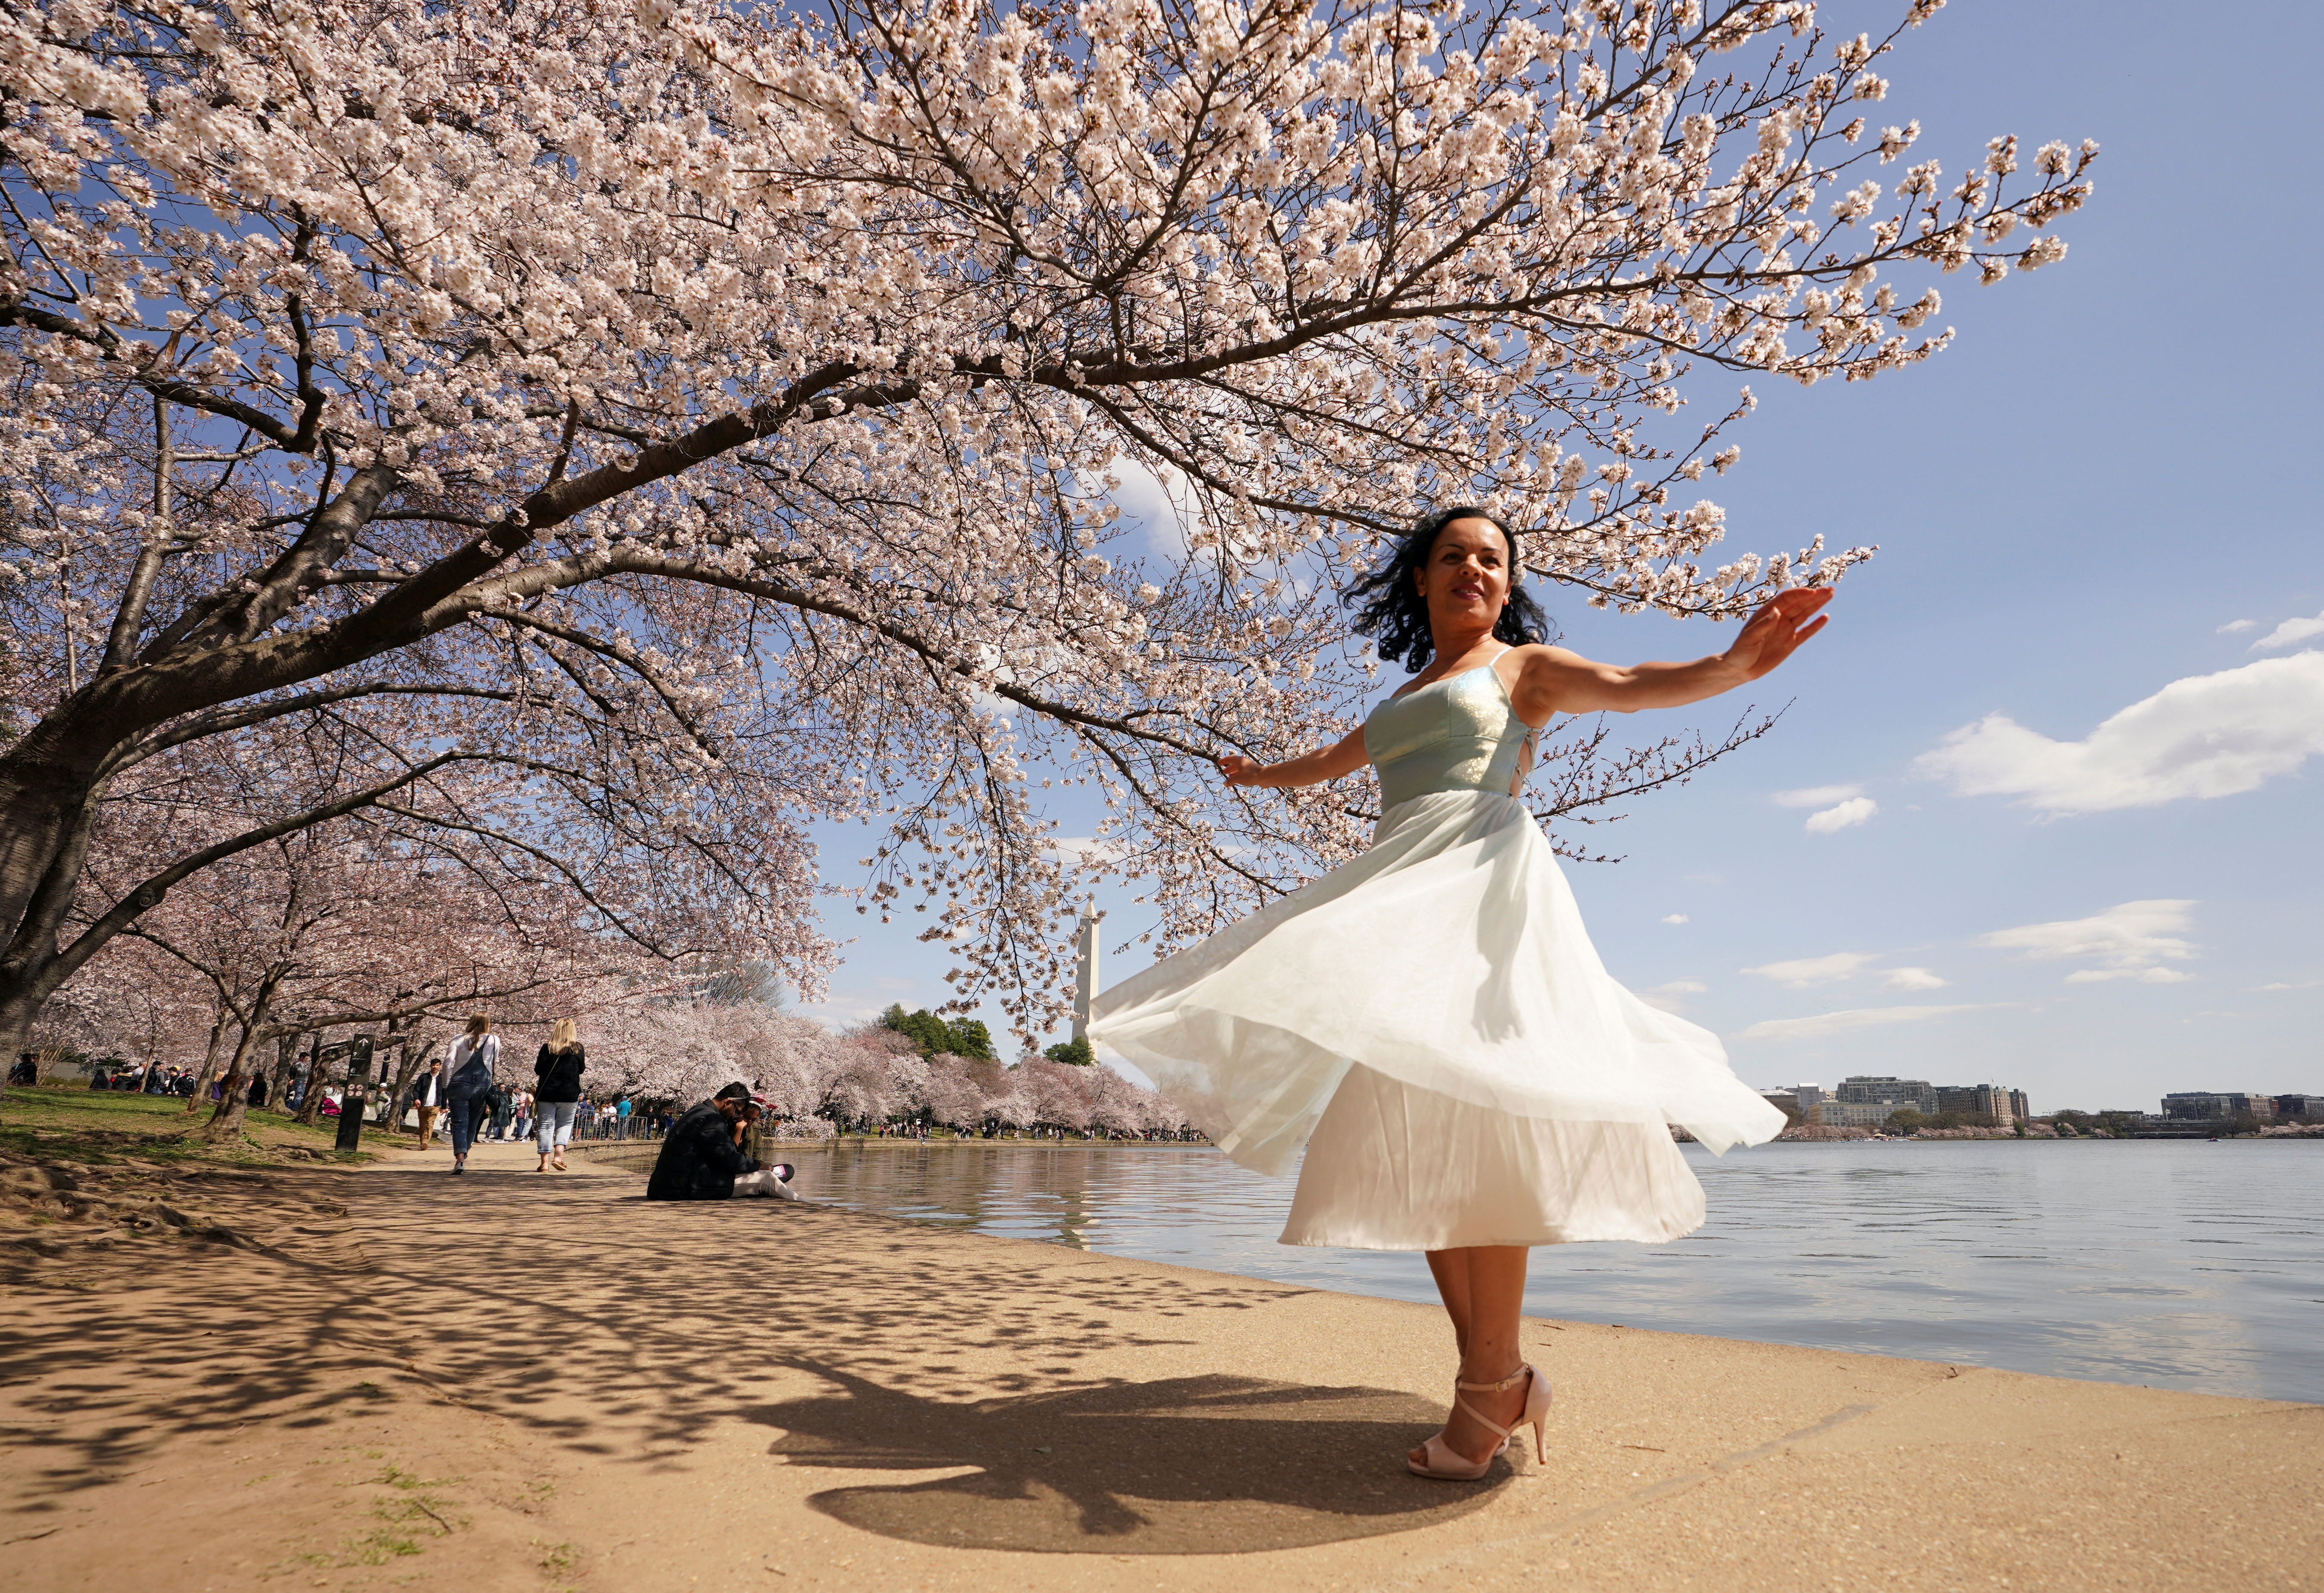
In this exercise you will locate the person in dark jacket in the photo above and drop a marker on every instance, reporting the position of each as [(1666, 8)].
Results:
[(558, 1097), (702, 1158), (428, 1098)]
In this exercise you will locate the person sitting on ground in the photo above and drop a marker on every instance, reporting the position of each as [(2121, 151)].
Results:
[(702, 1159)]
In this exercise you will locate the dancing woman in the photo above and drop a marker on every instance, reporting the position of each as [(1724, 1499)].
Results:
[(1431, 1019)]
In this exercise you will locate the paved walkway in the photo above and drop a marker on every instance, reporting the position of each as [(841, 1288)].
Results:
[(520, 1380)]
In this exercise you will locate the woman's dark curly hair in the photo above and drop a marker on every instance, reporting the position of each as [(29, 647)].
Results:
[(1391, 610)]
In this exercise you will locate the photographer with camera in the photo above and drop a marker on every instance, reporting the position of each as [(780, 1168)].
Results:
[(702, 1159)]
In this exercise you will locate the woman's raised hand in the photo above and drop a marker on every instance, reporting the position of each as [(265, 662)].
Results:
[(1239, 770), (1775, 632)]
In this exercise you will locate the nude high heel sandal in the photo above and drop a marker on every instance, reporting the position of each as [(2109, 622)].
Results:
[(1446, 1464)]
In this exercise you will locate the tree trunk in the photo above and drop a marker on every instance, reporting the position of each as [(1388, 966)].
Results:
[(21, 1002), (226, 1122), (310, 1110), (277, 1083), (414, 1058), (209, 1064), (50, 810), (234, 1099)]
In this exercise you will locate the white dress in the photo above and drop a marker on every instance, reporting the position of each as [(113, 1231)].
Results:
[(1432, 1021)]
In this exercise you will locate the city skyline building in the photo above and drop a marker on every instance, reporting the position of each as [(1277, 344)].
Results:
[(1881, 1089), (2213, 1105)]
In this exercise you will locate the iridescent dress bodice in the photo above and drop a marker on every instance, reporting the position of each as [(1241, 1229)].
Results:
[(1460, 733)]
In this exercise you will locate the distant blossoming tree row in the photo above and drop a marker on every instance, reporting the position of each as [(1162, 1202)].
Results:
[(657, 1042), (579, 444), (682, 1051)]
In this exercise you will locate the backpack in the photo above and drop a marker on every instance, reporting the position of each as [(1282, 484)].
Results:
[(472, 1077)]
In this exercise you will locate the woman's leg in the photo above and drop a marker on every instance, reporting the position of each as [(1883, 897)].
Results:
[(1450, 1268), (1483, 1289)]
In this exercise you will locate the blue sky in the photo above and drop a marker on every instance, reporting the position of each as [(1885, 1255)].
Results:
[(2096, 493)]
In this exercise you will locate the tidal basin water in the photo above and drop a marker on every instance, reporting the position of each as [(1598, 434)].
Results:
[(2178, 1263)]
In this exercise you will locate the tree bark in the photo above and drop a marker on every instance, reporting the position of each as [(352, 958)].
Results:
[(310, 1110), (209, 1064), (414, 1058), (277, 1083), (233, 1098)]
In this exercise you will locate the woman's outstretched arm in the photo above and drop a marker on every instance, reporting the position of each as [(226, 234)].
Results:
[(1344, 756), (1552, 680)]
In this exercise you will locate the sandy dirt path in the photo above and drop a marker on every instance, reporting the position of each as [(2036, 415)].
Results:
[(394, 1378)]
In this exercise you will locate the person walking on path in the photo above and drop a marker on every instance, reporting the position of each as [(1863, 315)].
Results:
[(557, 1098), (1431, 1018), (475, 1073), (428, 1098)]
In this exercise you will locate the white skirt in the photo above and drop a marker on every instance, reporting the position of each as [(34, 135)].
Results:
[(1487, 1081)]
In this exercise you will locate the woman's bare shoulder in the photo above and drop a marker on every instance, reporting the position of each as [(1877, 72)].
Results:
[(1545, 653)]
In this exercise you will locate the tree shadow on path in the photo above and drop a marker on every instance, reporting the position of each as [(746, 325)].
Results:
[(843, 1342)]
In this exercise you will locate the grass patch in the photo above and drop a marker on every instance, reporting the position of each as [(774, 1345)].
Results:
[(73, 1122), (408, 1515)]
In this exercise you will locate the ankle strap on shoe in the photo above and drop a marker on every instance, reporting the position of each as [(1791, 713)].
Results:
[(1517, 1376)]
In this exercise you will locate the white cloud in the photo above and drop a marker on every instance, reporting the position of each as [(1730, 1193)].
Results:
[(2289, 632), (2305, 984), (862, 1004), (2232, 626), (1800, 973), (1667, 995), (2129, 941), (1817, 796), (1161, 505), (1674, 918), (1912, 979), (2204, 736), (1854, 811), (1861, 1018)]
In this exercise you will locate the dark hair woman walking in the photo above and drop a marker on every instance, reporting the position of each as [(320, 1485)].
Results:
[(468, 1085), (1431, 1019), (557, 1098)]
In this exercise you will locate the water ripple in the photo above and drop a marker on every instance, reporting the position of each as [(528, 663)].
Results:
[(2182, 1263)]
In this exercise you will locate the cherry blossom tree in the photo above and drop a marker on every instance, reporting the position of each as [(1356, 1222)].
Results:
[(348, 925), (618, 434), (148, 1007)]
